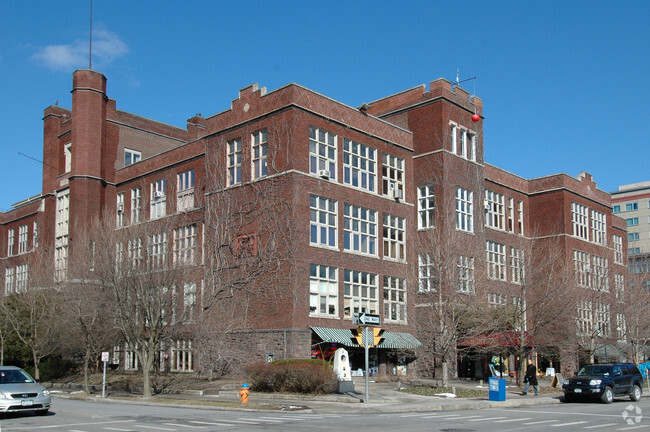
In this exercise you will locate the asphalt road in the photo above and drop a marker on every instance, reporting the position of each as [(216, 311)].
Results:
[(83, 416)]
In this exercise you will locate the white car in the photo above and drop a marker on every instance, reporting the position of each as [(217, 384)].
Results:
[(19, 392)]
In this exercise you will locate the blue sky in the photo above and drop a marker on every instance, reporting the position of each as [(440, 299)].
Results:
[(564, 83)]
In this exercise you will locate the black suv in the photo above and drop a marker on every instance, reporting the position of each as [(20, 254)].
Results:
[(604, 381)]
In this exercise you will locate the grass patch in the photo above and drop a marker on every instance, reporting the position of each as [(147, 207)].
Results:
[(461, 392)]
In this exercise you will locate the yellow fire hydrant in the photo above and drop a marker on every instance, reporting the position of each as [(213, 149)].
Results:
[(243, 393)]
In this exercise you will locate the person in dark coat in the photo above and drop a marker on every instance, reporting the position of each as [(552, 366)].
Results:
[(531, 378)]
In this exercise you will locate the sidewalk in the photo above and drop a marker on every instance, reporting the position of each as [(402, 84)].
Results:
[(383, 398)]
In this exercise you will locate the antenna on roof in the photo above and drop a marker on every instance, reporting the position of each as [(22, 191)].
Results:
[(475, 117), (90, 50)]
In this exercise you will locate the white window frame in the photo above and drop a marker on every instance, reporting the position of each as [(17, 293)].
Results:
[(495, 211), (582, 268), (119, 210), (394, 237), (394, 293), (157, 250), (464, 210), (185, 191), (359, 230), (426, 207), (322, 152), (392, 175), (182, 356), (136, 205), (618, 249), (496, 260), (10, 286), (158, 199), (517, 266), (360, 293), (619, 287), (189, 302), (621, 327), (602, 319), (497, 300), (131, 157), (580, 221), (520, 217), (465, 271), (23, 238), (185, 245), (323, 225), (453, 132), (136, 254), (61, 235), (234, 161), (323, 291), (600, 268), (359, 165), (259, 154), (427, 279), (10, 242), (67, 157), (35, 235), (22, 277), (598, 227)]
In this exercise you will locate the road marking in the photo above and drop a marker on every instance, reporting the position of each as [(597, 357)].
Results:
[(512, 420), (487, 419), (118, 429), (601, 426), (210, 423), (569, 424), (632, 427), (184, 426), (266, 419), (440, 416), (155, 427), (541, 422), (31, 428)]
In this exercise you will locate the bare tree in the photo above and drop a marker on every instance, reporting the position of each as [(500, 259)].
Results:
[(139, 282), (633, 310)]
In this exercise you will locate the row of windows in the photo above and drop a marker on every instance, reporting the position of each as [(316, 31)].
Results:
[(184, 249), (360, 293), (593, 318), (259, 158), (496, 212), (497, 269), (591, 271), (589, 226), (23, 239), (16, 279), (158, 199), (428, 273), (174, 355), (360, 229), (628, 207), (359, 163)]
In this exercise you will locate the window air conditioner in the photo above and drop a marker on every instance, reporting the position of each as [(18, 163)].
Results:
[(396, 194), (486, 204), (158, 194), (120, 208), (324, 174)]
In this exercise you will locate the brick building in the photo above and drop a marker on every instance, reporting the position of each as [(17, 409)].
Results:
[(296, 211)]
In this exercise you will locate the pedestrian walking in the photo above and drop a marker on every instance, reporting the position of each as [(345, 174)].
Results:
[(531, 378)]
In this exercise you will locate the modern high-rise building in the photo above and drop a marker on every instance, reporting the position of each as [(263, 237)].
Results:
[(299, 212)]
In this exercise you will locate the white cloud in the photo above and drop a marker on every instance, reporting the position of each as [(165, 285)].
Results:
[(106, 47)]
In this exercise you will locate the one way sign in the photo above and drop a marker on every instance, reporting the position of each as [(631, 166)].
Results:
[(366, 319)]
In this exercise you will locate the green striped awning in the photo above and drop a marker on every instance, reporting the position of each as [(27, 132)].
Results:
[(391, 340)]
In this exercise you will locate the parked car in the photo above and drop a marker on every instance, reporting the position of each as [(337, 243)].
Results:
[(604, 381), (19, 392)]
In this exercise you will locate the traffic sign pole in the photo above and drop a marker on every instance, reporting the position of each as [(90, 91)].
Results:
[(366, 342)]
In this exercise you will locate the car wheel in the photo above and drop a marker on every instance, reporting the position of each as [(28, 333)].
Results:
[(608, 396), (42, 412), (636, 393)]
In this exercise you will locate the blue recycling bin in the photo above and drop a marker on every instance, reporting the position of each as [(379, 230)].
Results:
[(497, 389)]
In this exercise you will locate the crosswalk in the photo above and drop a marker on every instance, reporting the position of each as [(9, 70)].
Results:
[(168, 425), (556, 424)]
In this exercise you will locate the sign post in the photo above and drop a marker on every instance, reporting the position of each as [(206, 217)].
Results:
[(104, 360), (368, 340)]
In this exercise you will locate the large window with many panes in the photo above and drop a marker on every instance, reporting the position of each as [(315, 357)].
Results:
[(23, 238), (427, 278), (464, 210), (157, 250), (185, 245), (136, 205), (618, 249), (495, 210), (323, 221), (185, 191), (465, 270), (582, 268), (322, 153), (22, 277), (517, 274), (600, 271), (394, 299), (259, 154), (426, 207), (360, 293), (158, 206), (579, 221), (359, 165), (119, 210), (392, 176), (323, 290), (234, 156), (394, 237), (496, 260), (359, 229), (598, 227)]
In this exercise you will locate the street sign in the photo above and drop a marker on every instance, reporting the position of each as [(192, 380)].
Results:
[(366, 319)]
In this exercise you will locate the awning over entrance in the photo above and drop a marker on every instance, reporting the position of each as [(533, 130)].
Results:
[(392, 340)]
